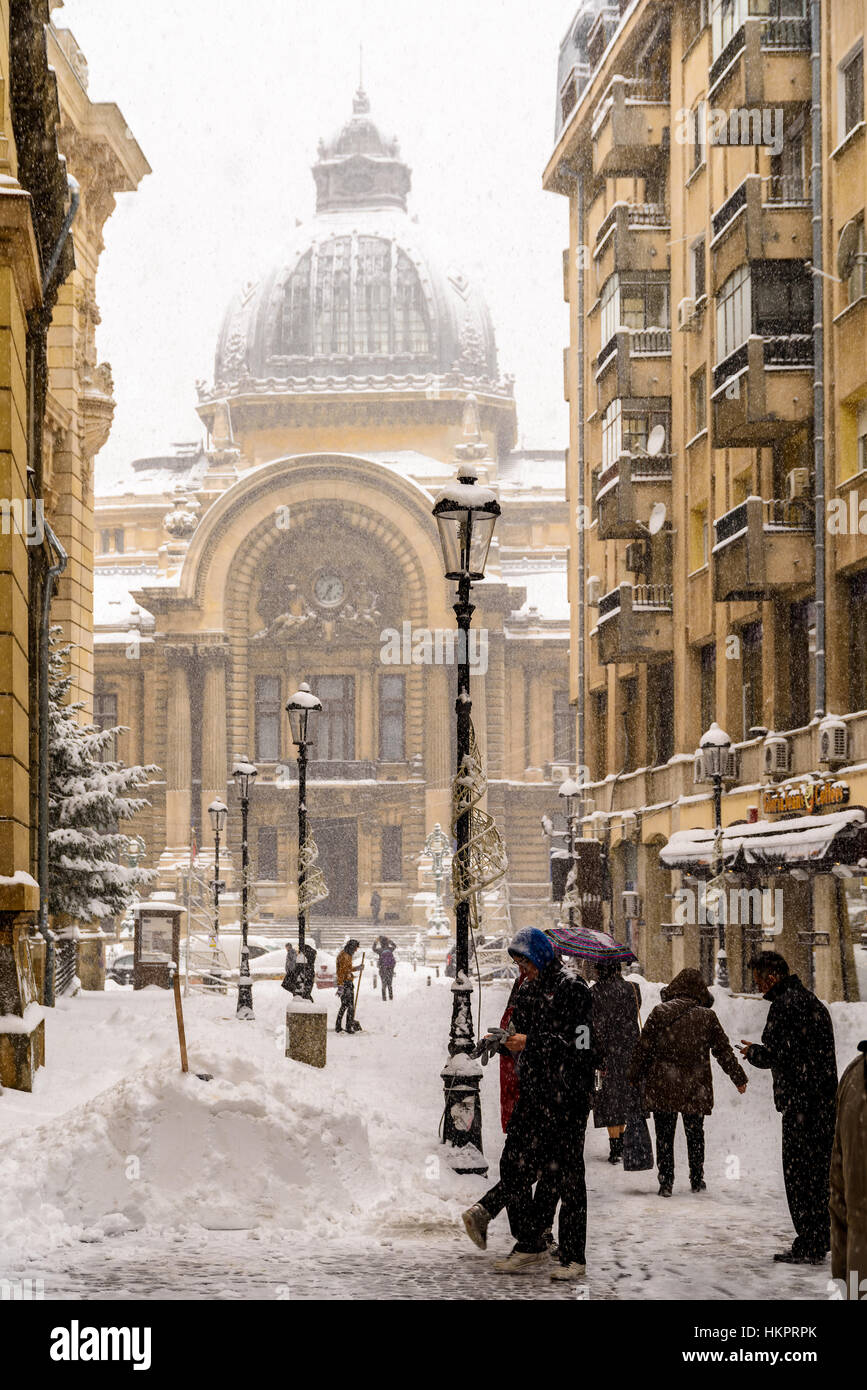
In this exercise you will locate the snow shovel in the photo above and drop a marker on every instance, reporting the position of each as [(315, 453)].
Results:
[(182, 1037), (357, 1028)]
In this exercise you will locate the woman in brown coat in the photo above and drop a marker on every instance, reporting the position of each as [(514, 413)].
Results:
[(671, 1062), (849, 1181)]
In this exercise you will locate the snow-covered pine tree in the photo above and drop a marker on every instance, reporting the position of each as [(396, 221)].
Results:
[(88, 802)]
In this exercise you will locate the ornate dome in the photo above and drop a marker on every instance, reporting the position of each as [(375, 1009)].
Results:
[(357, 294)]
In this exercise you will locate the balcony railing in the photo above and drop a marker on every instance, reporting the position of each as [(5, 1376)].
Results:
[(333, 770), (778, 514), (787, 188), (638, 215), (639, 89), (776, 35), (780, 350), (727, 55), (647, 596), (730, 207), (645, 342)]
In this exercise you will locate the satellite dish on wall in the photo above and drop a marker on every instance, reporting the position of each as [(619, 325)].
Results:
[(656, 440), (656, 520), (847, 248)]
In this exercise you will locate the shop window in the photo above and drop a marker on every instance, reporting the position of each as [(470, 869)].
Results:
[(266, 853), (392, 854), (392, 718), (267, 718), (564, 728)]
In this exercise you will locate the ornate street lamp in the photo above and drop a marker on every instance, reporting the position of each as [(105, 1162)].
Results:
[(714, 762), (571, 792), (302, 709), (466, 514), (218, 812), (245, 775)]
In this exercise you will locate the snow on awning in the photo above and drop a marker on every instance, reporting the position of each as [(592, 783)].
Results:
[(815, 842)]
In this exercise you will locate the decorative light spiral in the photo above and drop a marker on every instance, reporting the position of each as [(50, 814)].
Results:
[(314, 888), (483, 861)]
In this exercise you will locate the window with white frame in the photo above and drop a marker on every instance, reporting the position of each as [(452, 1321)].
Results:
[(612, 433), (851, 84), (609, 308), (733, 313)]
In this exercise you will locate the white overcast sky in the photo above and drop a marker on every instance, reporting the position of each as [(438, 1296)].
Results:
[(228, 102)]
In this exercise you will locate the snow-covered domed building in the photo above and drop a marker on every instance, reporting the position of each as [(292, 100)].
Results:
[(298, 536)]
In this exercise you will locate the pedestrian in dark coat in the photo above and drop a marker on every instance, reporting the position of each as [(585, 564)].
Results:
[(386, 969), (547, 1126), (476, 1219), (798, 1048), (616, 1004), (671, 1061), (849, 1180)]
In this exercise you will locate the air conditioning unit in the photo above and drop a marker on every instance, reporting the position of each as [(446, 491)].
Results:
[(599, 822), (797, 483), (686, 315), (631, 903), (560, 772), (833, 742), (594, 584), (636, 557), (698, 775), (777, 757)]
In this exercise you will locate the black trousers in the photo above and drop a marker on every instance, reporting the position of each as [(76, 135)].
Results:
[(347, 1005), (551, 1148), (386, 985), (808, 1138), (665, 1124), (545, 1198)]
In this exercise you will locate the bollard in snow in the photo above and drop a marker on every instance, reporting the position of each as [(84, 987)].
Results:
[(428, 979)]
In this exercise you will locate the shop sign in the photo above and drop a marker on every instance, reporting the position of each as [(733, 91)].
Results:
[(804, 798)]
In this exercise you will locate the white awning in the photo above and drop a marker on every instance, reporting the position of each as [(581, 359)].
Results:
[(814, 841)]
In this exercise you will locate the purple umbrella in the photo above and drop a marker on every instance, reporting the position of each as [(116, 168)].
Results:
[(589, 945)]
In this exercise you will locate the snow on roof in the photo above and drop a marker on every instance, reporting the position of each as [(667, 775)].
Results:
[(113, 603), (547, 591)]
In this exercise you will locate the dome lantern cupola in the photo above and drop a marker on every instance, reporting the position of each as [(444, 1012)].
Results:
[(359, 167)]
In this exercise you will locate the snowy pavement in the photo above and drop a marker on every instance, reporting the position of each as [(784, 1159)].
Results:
[(122, 1179)]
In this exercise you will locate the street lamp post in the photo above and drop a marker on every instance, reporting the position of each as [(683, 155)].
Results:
[(218, 813), (301, 708), (714, 764), (245, 775), (570, 791), (466, 514)]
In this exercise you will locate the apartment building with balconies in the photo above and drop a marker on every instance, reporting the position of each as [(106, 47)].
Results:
[(714, 160)]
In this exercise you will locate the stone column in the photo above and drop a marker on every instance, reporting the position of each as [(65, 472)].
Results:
[(215, 754), (178, 769)]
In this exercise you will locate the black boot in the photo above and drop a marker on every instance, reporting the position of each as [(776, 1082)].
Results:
[(665, 1187), (697, 1182), (615, 1147)]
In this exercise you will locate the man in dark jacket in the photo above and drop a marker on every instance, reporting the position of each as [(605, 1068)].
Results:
[(798, 1047), (671, 1063), (547, 1126)]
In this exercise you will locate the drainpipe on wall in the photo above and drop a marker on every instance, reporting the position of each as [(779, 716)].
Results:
[(818, 356), (579, 462)]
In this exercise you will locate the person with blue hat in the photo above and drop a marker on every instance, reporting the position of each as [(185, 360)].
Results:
[(556, 1061)]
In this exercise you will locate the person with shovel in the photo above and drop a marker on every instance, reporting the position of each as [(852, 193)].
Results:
[(346, 988)]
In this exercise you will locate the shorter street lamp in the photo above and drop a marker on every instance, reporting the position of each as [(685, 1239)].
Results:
[(570, 791), (302, 708), (245, 775), (714, 762), (218, 812)]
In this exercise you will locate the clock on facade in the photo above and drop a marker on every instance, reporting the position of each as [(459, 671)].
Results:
[(329, 589)]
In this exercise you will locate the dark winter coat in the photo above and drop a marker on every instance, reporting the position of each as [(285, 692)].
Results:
[(555, 1070), (672, 1057), (849, 1175), (798, 1047), (518, 1010), (615, 1026)]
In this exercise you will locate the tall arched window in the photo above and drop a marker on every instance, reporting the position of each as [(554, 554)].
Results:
[(372, 295), (411, 328), (296, 309), (331, 298)]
